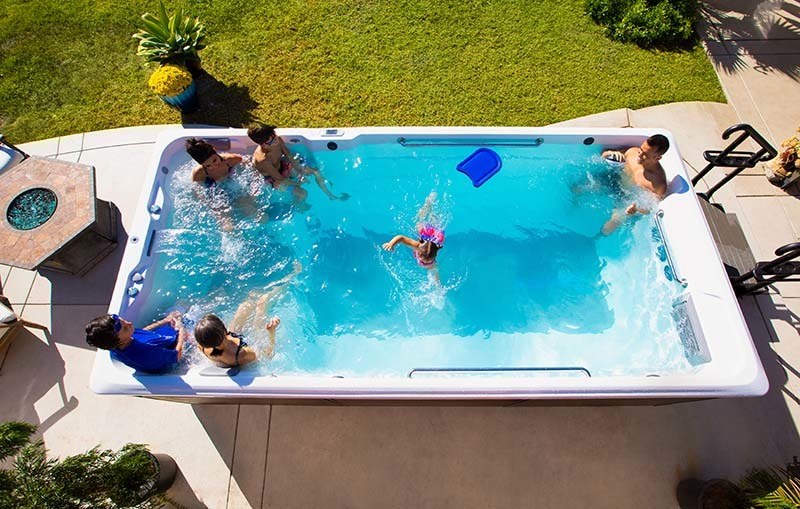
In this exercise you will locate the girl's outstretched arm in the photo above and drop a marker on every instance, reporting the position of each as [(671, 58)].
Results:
[(401, 239)]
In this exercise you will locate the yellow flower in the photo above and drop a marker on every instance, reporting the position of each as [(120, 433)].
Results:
[(170, 79)]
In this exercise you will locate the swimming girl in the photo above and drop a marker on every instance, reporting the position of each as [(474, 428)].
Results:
[(431, 237)]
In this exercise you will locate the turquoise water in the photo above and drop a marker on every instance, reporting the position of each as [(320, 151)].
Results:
[(526, 279)]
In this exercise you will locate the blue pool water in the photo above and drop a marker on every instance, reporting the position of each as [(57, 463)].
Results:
[(526, 279)]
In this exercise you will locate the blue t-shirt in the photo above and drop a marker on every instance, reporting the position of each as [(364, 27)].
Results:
[(152, 351)]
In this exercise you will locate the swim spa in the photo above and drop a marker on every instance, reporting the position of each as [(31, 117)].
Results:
[(532, 301)]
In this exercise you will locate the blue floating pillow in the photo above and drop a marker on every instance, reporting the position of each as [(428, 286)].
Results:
[(480, 166)]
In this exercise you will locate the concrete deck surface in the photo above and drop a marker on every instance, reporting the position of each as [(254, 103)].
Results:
[(278, 456)]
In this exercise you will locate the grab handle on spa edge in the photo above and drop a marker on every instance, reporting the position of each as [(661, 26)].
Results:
[(421, 142), (670, 262), (497, 370)]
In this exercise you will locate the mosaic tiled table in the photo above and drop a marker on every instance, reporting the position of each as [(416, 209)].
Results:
[(81, 231)]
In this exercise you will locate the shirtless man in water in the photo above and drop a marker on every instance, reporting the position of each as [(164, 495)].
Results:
[(644, 169), (274, 161)]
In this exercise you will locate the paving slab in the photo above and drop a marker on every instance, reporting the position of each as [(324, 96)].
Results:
[(613, 118), (124, 136), (5, 270), (72, 157), (69, 145), (791, 207), (466, 457), (769, 226), (782, 323), (762, 87), (756, 185), (118, 172), (44, 148), (250, 457), (17, 285)]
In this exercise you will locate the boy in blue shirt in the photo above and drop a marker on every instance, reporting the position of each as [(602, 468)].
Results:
[(155, 349)]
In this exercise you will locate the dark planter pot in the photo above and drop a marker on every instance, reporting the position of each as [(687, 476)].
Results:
[(713, 494), (167, 469), (194, 66), (186, 101)]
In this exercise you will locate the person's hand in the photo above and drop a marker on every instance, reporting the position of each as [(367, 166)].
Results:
[(273, 323), (175, 319), (388, 246), (342, 197), (631, 209)]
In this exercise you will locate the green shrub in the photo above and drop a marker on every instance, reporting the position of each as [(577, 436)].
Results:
[(646, 23), (97, 479)]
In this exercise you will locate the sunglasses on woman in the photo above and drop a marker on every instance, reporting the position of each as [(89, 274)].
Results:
[(117, 323)]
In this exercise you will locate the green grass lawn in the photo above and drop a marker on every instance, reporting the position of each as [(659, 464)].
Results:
[(70, 66)]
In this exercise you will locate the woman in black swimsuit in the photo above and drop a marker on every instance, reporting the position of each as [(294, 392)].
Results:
[(215, 169), (212, 167), (227, 348)]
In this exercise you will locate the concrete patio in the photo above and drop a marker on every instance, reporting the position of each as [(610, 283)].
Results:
[(279, 456)]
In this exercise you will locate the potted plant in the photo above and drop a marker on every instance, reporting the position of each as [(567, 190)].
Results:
[(174, 39), (714, 494), (773, 488), (782, 169), (175, 86), (97, 478)]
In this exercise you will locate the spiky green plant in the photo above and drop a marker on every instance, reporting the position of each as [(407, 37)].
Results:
[(174, 39), (772, 489), (97, 479)]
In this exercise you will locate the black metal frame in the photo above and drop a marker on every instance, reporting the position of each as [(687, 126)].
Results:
[(730, 158), (780, 269), (13, 147)]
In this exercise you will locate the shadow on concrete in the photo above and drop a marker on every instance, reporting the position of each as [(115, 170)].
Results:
[(180, 494), (221, 104), (741, 25), (97, 285), (771, 408), (93, 290), (220, 423), (772, 310), (32, 367)]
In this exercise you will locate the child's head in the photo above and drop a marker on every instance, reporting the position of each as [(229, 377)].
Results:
[(210, 332), (426, 252), (261, 133)]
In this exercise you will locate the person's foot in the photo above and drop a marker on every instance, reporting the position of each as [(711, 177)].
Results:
[(273, 323)]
